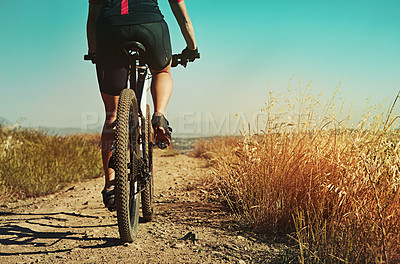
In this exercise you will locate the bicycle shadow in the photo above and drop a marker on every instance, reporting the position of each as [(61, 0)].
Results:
[(16, 232)]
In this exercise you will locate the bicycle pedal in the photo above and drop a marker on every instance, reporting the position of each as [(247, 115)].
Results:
[(162, 144)]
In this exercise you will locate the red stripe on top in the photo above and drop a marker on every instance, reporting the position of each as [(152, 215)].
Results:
[(124, 7)]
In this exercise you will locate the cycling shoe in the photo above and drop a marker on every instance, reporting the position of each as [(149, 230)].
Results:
[(108, 194), (162, 132)]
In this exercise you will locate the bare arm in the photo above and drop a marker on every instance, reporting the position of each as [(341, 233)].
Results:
[(94, 10), (182, 17)]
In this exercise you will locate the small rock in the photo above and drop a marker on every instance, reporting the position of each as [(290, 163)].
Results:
[(178, 245), (232, 247), (218, 253), (189, 236), (70, 189), (253, 239), (242, 261)]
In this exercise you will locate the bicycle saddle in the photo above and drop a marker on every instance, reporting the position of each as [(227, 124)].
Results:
[(132, 46)]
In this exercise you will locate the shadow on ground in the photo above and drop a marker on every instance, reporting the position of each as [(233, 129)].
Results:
[(17, 232)]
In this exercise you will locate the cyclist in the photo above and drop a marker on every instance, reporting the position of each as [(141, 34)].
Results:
[(110, 23)]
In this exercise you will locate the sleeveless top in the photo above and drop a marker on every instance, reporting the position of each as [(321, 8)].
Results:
[(127, 12)]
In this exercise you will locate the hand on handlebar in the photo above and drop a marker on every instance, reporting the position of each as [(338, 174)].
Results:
[(186, 56), (191, 55)]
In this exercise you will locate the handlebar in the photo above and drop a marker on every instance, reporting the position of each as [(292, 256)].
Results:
[(177, 59)]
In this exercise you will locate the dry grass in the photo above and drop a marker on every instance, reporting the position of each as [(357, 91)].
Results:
[(333, 189), (34, 163)]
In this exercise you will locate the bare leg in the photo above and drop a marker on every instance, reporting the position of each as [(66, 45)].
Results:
[(107, 136), (161, 90)]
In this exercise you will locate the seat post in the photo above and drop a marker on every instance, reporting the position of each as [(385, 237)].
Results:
[(132, 74), (134, 50)]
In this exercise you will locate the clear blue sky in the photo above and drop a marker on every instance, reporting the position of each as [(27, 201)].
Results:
[(44, 79)]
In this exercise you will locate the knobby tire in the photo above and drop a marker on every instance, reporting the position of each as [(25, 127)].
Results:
[(127, 166), (147, 193)]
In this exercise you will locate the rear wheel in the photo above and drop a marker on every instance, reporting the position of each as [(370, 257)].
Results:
[(127, 166), (147, 193)]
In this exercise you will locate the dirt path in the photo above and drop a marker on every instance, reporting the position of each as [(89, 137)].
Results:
[(72, 226)]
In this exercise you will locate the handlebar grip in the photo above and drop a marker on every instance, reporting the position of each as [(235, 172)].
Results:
[(179, 59), (90, 57)]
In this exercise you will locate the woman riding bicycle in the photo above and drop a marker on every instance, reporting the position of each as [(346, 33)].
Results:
[(112, 22)]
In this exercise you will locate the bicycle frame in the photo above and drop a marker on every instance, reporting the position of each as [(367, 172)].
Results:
[(138, 80)]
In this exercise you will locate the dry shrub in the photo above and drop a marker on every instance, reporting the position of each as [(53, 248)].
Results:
[(206, 148), (333, 189), (34, 163)]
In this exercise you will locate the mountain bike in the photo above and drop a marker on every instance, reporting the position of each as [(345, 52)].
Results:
[(134, 142)]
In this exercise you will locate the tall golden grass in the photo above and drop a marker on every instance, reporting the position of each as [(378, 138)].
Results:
[(331, 187), (34, 163)]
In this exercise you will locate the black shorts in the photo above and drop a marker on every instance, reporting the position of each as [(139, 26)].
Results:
[(112, 65)]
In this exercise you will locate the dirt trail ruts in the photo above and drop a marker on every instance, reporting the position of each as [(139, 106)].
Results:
[(190, 226)]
